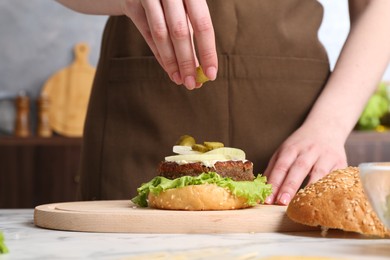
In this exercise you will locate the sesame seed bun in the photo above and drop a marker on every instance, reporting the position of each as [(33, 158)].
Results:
[(337, 201), (197, 197)]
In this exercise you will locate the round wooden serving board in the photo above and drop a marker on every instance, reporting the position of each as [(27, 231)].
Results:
[(68, 92), (123, 216)]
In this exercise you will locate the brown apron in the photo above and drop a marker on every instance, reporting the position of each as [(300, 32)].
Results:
[(271, 70)]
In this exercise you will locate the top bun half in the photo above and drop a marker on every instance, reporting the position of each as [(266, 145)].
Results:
[(337, 201)]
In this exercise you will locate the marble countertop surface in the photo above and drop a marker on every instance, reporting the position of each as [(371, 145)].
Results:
[(26, 241)]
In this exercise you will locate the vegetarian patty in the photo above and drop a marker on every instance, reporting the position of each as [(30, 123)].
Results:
[(236, 170)]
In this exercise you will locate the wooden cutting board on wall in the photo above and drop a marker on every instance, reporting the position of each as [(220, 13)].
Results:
[(122, 216), (68, 92)]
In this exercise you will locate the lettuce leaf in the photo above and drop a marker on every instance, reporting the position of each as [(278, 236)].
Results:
[(253, 191), (3, 248)]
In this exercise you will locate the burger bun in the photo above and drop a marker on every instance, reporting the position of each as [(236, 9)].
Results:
[(197, 197), (337, 201)]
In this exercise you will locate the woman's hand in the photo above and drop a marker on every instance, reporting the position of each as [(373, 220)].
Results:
[(305, 153), (317, 147), (169, 27)]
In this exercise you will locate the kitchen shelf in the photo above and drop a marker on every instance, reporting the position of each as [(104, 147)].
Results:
[(368, 146), (38, 170), (40, 141)]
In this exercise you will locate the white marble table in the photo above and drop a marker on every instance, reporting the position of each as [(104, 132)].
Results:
[(25, 241)]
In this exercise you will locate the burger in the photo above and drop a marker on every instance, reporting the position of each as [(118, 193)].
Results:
[(337, 201), (206, 176)]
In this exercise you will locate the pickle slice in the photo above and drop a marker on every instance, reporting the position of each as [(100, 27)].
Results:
[(186, 140), (229, 152), (200, 76), (200, 148), (213, 145)]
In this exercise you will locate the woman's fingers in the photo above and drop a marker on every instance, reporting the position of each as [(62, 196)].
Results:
[(136, 12), (277, 171), (325, 165), (161, 38), (297, 159), (200, 19), (180, 36), (168, 28), (294, 177)]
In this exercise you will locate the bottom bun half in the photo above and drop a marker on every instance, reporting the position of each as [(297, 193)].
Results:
[(197, 197)]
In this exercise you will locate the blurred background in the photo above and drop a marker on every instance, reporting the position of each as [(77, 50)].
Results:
[(37, 39)]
